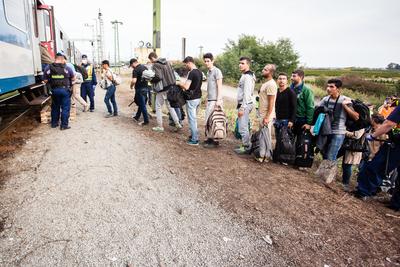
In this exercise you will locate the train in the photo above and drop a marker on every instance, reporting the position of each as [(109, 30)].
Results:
[(25, 25)]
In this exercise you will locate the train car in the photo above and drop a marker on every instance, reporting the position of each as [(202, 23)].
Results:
[(24, 26)]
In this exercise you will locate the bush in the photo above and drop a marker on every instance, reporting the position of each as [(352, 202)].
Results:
[(280, 53), (359, 84)]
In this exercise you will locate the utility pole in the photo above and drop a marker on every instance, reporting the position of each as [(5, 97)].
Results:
[(157, 26), (115, 24), (101, 43), (201, 51), (183, 48), (92, 43)]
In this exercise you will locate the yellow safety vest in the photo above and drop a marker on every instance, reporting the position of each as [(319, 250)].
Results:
[(89, 70)]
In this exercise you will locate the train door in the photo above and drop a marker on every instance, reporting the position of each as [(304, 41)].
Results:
[(46, 25), (34, 34)]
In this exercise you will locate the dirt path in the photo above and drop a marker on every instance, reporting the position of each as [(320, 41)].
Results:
[(108, 192)]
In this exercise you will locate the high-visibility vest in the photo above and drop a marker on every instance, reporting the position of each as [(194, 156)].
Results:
[(89, 70)]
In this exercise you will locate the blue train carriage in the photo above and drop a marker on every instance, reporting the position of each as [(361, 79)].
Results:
[(24, 25), (20, 56)]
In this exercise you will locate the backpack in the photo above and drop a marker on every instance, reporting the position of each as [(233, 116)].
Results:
[(148, 75), (285, 148), (176, 97), (116, 79), (261, 145), (304, 150), (364, 117), (217, 124)]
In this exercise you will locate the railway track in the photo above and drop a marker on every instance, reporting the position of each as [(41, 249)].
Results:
[(11, 112)]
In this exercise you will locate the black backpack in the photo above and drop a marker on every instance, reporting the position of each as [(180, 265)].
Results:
[(176, 97), (304, 150), (364, 117), (285, 148)]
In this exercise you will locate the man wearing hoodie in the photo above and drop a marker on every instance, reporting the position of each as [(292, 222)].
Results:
[(164, 79), (89, 84), (245, 103)]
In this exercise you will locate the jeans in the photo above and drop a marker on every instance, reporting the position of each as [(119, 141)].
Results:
[(88, 91), (191, 108), (244, 125), (161, 98), (346, 175), (372, 173), (110, 97), (61, 99), (335, 141), (141, 101)]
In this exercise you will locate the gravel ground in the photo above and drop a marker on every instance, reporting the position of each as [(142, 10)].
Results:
[(102, 194)]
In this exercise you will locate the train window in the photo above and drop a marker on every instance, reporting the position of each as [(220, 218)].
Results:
[(35, 19), (46, 16), (15, 14)]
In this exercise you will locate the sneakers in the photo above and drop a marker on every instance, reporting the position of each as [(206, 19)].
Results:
[(142, 123), (346, 187), (86, 108), (209, 143), (241, 150), (178, 127), (109, 115), (192, 143), (135, 119), (62, 128), (158, 129)]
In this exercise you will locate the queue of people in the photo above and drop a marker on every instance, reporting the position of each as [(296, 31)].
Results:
[(336, 127)]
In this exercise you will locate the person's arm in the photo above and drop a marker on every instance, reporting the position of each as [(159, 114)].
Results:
[(219, 89), (350, 112), (292, 107), (133, 82), (109, 75), (186, 85), (309, 106), (386, 126), (271, 103)]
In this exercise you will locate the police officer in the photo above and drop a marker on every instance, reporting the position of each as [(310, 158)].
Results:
[(60, 78), (89, 84)]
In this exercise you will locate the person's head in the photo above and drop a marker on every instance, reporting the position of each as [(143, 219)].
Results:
[(282, 80), (297, 76), (333, 87), (189, 63), (153, 57), (244, 64), (105, 64), (376, 120), (268, 71), (84, 59), (60, 58), (208, 60), (133, 62)]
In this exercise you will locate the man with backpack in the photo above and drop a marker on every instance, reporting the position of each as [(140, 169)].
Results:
[(214, 93), (141, 91), (385, 161), (109, 84), (60, 78), (245, 104), (192, 90), (339, 108), (285, 109), (89, 82), (164, 79), (304, 117)]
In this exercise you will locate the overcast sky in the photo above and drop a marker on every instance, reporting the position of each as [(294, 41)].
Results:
[(340, 33)]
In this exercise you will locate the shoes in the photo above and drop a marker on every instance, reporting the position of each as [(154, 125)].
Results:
[(158, 129), (92, 110), (86, 108), (115, 114), (178, 127), (346, 188), (360, 196), (54, 126), (241, 150), (142, 123), (210, 144), (261, 159), (135, 119), (62, 128), (192, 143), (392, 207), (109, 115)]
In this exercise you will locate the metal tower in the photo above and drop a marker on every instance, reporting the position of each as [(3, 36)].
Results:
[(100, 39), (157, 26)]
